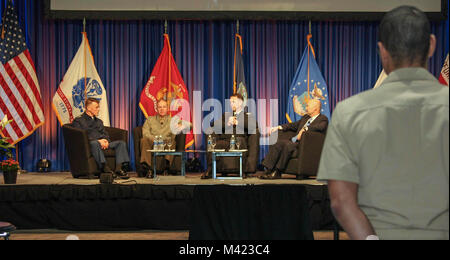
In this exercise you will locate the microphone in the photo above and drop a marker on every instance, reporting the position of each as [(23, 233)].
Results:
[(234, 118)]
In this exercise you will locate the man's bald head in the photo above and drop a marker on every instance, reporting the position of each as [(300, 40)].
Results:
[(313, 107), (162, 107)]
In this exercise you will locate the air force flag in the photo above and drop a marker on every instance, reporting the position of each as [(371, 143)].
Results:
[(308, 84), (80, 82)]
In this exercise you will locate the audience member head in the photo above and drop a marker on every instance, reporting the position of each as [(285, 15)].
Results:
[(405, 39)]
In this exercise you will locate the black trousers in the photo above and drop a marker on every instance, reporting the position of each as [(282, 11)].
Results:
[(279, 155)]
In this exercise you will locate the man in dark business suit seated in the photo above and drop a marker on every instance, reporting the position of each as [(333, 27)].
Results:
[(240, 124), (99, 139), (279, 154)]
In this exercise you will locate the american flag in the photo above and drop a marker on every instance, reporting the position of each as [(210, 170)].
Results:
[(20, 95), (443, 78)]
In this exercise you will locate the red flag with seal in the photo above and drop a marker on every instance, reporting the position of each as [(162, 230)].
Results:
[(166, 83)]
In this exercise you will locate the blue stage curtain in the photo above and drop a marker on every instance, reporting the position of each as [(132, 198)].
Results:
[(126, 51)]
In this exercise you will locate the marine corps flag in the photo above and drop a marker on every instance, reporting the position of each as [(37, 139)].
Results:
[(308, 84), (80, 82), (239, 85), (166, 83)]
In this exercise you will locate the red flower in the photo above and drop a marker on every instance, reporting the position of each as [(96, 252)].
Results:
[(9, 165)]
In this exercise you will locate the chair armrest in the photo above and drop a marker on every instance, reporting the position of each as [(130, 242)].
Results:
[(253, 152), (180, 142), (310, 149), (137, 136), (286, 135), (77, 143), (117, 134)]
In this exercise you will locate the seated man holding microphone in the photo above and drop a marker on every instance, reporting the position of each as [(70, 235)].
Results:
[(279, 154), (240, 124)]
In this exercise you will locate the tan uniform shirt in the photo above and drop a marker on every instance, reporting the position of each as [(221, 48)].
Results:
[(393, 141), (157, 125)]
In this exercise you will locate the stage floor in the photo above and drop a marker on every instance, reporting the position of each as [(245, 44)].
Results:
[(61, 178), (56, 200)]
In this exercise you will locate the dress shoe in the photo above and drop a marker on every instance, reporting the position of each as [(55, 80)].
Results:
[(125, 166), (206, 175), (144, 170), (149, 174), (267, 172), (122, 174), (271, 176)]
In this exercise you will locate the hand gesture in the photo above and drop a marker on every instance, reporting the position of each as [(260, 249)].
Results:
[(232, 121), (104, 143), (274, 129), (299, 136)]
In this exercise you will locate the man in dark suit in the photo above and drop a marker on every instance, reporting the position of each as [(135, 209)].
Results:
[(99, 139), (279, 154), (238, 123)]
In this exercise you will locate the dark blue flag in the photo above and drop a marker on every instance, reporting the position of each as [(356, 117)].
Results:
[(239, 85), (308, 84)]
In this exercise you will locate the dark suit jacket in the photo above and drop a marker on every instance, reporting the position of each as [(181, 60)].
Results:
[(320, 124), (247, 125), (94, 127)]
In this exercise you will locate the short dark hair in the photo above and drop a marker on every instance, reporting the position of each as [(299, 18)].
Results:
[(90, 101), (237, 95), (405, 33)]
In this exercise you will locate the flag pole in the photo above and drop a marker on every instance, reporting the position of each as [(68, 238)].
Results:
[(3, 24), (308, 56), (85, 79), (165, 26), (169, 81), (17, 152), (235, 50)]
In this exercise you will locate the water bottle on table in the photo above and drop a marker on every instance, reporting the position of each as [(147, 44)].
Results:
[(232, 143), (209, 146), (157, 143)]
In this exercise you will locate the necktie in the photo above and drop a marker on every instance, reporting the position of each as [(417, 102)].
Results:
[(294, 139), (308, 123)]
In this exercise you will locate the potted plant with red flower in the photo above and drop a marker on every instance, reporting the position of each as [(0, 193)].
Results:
[(9, 167)]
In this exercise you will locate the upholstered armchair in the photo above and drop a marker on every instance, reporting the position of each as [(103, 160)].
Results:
[(304, 161), (82, 163)]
